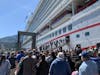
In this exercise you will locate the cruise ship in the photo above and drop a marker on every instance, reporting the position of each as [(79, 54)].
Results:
[(65, 24)]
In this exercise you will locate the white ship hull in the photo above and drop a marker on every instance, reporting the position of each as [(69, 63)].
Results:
[(85, 31)]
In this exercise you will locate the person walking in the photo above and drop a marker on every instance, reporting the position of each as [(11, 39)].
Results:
[(43, 68), (4, 66), (12, 60), (88, 67), (77, 65), (19, 67), (29, 65), (59, 66)]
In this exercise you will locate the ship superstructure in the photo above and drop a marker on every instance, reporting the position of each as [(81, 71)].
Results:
[(66, 24)]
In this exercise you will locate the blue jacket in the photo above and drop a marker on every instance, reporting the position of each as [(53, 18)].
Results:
[(97, 60), (60, 67), (88, 68), (19, 57)]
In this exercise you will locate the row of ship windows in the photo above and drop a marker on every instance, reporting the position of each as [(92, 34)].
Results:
[(64, 30), (78, 35), (58, 32), (86, 34)]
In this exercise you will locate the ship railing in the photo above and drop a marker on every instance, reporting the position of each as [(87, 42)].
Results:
[(61, 21), (54, 13), (87, 5), (93, 6)]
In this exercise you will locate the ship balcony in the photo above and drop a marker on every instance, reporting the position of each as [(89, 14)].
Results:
[(61, 21), (86, 9), (56, 11), (55, 24), (44, 32)]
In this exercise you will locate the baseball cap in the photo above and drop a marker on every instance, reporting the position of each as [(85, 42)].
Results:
[(84, 54)]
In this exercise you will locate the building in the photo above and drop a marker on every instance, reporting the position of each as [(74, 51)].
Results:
[(65, 23)]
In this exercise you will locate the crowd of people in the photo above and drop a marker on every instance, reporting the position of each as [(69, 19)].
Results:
[(55, 62)]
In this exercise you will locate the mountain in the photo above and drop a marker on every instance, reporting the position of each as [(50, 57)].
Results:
[(8, 42), (9, 39)]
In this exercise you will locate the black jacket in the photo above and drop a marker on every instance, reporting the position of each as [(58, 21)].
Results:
[(43, 68)]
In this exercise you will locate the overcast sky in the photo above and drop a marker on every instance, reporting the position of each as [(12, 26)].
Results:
[(13, 15)]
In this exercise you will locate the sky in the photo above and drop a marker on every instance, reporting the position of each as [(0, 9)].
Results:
[(13, 15)]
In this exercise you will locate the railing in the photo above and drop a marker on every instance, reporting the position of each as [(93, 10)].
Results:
[(87, 5), (62, 20), (43, 16), (60, 7), (44, 32), (93, 6)]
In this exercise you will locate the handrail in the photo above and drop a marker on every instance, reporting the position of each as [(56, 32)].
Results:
[(86, 10), (87, 5)]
